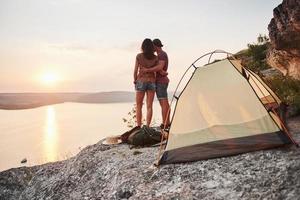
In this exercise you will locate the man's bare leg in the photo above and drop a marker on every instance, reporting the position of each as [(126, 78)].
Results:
[(165, 111)]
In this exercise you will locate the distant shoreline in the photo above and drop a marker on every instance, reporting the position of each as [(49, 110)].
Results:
[(20, 101), (26, 106)]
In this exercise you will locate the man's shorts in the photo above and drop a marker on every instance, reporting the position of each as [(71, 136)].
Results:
[(144, 86), (161, 91)]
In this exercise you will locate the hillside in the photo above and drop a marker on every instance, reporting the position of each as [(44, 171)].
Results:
[(107, 97), (13, 101)]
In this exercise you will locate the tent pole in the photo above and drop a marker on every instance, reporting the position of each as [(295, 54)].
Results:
[(251, 72), (163, 136), (274, 111), (285, 129), (169, 110), (168, 114)]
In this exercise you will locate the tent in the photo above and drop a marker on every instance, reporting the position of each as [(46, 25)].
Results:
[(224, 109)]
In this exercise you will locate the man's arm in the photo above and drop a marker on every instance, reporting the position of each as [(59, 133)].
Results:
[(156, 68)]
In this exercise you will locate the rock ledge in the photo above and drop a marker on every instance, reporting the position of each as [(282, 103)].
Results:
[(117, 172)]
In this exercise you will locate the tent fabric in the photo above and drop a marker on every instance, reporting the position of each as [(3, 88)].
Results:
[(218, 114), (223, 148), (262, 85), (264, 92)]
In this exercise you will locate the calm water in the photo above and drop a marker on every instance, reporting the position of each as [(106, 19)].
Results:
[(56, 132)]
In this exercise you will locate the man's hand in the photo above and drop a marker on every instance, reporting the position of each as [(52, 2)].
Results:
[(163, 73)]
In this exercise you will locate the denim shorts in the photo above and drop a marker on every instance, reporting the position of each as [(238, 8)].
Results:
[(161, 90), (144, 86)]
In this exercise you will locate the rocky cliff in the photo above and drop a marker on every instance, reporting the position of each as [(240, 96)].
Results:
[(118, 172), (284, 33)]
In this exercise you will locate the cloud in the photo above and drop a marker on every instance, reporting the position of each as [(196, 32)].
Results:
[(73, 47), (127, 47), (130, 46)]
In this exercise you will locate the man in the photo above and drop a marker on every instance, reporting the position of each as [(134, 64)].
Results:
[(162, 81)]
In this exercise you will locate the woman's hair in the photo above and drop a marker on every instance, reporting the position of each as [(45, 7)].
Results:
[(148, 49)]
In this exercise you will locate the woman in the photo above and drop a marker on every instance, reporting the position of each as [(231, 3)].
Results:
[(145, 81)]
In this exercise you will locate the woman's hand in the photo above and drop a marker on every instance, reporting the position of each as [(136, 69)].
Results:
[(143, 70)]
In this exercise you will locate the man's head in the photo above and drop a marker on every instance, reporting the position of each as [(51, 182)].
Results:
[(157, 44)]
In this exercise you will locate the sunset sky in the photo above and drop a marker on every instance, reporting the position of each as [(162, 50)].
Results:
[(90, 45)]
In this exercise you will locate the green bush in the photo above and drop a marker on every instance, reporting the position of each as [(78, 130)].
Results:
[(257, 53), (288, 89)]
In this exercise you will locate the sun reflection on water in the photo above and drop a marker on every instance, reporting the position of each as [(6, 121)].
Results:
[(50, 135)]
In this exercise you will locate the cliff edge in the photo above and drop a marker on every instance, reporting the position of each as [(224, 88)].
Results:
[(118, 172), (284, 33)]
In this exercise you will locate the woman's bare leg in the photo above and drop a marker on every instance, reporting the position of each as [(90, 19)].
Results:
[(150, 97), (139, 104)]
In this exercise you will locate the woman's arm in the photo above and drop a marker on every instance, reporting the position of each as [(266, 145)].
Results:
[(135, 72)]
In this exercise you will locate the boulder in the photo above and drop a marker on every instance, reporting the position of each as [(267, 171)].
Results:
[(284, 33)]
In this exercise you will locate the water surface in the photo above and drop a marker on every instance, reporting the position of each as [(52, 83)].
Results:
[(56, 132)]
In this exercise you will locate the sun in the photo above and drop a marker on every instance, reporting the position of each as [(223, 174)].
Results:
[(50, 78)]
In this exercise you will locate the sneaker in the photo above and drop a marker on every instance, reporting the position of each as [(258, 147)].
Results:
[(167, 128)]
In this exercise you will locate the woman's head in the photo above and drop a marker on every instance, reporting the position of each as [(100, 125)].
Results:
[(148, 48)]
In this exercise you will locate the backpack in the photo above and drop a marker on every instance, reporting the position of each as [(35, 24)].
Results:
[(145, 136)]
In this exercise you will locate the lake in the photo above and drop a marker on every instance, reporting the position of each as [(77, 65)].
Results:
[(56, 132)]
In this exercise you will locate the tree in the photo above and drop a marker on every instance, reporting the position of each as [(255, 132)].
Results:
[(257, 52)]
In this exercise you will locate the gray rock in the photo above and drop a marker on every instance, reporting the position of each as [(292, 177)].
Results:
[(116, 172), (24, 160)]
